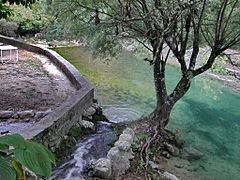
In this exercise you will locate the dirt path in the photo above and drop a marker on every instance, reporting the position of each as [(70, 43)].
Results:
[(32, 83)]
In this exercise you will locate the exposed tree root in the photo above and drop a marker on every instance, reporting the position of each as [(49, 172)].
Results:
[(158, 138)]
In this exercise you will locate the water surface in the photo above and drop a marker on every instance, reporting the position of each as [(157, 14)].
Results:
[(208, 116)]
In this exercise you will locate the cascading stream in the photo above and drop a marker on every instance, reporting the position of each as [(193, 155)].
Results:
[(92, 146)]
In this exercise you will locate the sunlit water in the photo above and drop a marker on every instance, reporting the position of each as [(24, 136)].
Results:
[(208, 116)]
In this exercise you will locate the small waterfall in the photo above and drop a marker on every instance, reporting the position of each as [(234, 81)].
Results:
[(92, 146)]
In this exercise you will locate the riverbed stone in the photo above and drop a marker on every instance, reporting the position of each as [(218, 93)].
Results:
[(26, 114), (76, 178), (102, 168), (41, 114), (89, 112), (153, 165), (6, 114), (87, 125), (173, 150), (191, 153), (168, 176)]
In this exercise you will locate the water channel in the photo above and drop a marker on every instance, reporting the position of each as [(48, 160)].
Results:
[(208, 116)]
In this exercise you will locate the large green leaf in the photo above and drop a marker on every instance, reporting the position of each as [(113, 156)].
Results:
[(14, 140), (6, 171), (51, 156), (35, 158), (3, 147)]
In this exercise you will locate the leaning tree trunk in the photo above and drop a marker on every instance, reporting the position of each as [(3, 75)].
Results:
[(161, 114), (162, 111)]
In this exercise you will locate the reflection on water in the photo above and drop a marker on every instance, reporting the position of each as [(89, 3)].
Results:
[(208, 116)]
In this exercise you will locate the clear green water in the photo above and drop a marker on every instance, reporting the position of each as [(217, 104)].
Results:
[(208, 116)]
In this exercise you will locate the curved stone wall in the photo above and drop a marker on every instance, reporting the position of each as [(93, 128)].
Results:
[(51, 129)]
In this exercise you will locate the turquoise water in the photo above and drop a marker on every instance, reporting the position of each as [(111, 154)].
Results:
[(208, 116)]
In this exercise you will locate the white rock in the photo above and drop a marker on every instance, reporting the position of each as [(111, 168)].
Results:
[(123, 145), (126, 137), (76, 178), (129, 131), (26, 114), (6, 114), (113, 152), (87, 124), (102, 168), (169, 176), (153, 165), (89, 112)]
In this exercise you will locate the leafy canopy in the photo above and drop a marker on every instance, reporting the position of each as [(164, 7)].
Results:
[(5, 10)]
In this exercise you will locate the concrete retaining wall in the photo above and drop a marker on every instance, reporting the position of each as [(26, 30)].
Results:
[(52, 128)]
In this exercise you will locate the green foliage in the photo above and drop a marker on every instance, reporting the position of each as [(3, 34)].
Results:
[(219, 65), (6, 11), (31, 21), (33, 156)]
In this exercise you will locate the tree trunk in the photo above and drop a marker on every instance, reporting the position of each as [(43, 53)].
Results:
[(161, 114)]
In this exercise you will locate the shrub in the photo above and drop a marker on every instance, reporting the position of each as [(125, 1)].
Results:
[(8, 28)]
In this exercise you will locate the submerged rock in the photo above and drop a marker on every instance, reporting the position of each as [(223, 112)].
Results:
[(173, 150), (190, 153)]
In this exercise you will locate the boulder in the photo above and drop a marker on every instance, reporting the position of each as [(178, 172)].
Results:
[(130, 131), (89, 112), (123, 145), (87, 125), (126, 137), (168, 176), (6, 114), (41, 114), (102, 168), (190, 153), (120, 161)]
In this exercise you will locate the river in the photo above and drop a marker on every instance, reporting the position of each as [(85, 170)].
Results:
[(208, 116)]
